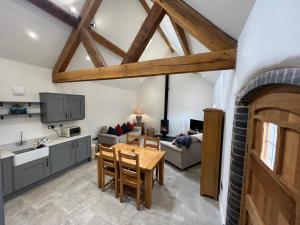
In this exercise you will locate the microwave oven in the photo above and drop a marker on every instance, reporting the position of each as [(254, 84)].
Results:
[(70, 131)]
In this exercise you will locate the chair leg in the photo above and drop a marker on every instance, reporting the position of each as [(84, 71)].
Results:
[(103, 182), (121, 191), (156, 173), (116, 187), (138, 197)]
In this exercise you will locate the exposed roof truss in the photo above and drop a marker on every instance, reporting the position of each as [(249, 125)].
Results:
[(183, 17)]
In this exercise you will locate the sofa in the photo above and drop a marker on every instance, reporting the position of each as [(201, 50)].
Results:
[(183, 157), (110, 140)]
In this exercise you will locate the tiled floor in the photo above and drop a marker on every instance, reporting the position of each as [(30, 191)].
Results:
[(74, 199)]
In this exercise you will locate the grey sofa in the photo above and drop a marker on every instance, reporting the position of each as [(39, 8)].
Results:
[(110, 140), (183, 157)]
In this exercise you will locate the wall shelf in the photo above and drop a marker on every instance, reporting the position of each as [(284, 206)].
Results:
[(2, 103), (3, 116)]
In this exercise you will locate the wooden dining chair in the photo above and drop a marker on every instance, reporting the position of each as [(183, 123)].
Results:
[(109, 164), (130, 175), (152, 143), (133, 139)]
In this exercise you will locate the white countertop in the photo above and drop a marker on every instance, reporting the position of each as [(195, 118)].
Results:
[(7, 150)]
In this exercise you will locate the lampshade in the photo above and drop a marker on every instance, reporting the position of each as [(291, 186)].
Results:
[(138, 111)]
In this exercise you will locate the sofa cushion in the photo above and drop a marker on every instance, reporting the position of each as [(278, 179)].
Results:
[(112, 131), (130, 126), (185, 141), (125, 128), (119, 130), (103, 130)]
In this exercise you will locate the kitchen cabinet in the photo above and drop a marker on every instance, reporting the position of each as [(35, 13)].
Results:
[(31, 172), (83, 149), (1, 198), (61, 107), (7, 175), (69, 153), (62, 156), (76, 107)]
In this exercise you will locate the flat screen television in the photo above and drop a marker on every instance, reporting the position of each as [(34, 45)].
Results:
[(196, 125)]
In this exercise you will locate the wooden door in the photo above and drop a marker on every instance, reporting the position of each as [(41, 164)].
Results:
[(272, 181)]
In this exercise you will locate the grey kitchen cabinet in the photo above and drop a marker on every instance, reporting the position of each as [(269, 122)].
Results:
[(54, 107), (83, 149), (62, 156), (76, 107), (31, 172), (2, 221), (7, 175), (61, 107)]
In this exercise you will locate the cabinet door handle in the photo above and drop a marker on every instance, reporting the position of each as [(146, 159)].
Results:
[(47, 162), (71, 115), (66, 115)]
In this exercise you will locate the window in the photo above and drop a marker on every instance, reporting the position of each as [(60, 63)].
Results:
[(269, 141)]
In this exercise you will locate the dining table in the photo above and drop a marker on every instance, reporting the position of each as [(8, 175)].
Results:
[(149, 159)]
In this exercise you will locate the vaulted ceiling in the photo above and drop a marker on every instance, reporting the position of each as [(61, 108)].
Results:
[(117, 20)]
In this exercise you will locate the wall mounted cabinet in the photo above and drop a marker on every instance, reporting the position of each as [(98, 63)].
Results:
[(61, 107)]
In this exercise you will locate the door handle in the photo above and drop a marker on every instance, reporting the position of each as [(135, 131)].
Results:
[(66, 115), (71, 115)]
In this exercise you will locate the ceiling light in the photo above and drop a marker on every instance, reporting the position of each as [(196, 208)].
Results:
[(32, 34), (88, 58), (203, 75), (141, 80), (73, 10)]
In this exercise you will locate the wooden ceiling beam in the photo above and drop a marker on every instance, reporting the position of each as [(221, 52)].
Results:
[(221, 60), (181, 37), (56, 11), (197, 25), (161, 32), (106, 43), (91, 48), (87, 15), (145, 34)]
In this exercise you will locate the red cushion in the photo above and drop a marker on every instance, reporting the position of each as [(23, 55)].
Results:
[(119, 130), (130, 126)]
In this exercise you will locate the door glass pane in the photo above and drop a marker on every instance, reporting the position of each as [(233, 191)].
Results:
[(269, 144)]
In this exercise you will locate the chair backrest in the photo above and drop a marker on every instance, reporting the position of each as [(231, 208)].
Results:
[(108, 157), (151, 142), (129, 165), (133, 139)]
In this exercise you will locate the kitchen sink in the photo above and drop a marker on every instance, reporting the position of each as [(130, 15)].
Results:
[(30, 154)]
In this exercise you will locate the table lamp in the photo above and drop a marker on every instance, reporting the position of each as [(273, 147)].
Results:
[(138, 115)]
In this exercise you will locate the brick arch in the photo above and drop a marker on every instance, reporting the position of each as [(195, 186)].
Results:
[(272, 78)]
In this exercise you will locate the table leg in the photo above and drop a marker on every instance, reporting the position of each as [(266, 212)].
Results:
[(99, 168), (161, 171), (148, 188)]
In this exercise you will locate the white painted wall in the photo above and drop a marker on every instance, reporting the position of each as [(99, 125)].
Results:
[(189, 94), (105, 105), (269, 39)]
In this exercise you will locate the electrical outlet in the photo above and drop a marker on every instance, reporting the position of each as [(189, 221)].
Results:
[(50, 126)]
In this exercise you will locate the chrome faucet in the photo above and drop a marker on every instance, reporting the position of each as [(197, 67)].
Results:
[(22, 141)]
